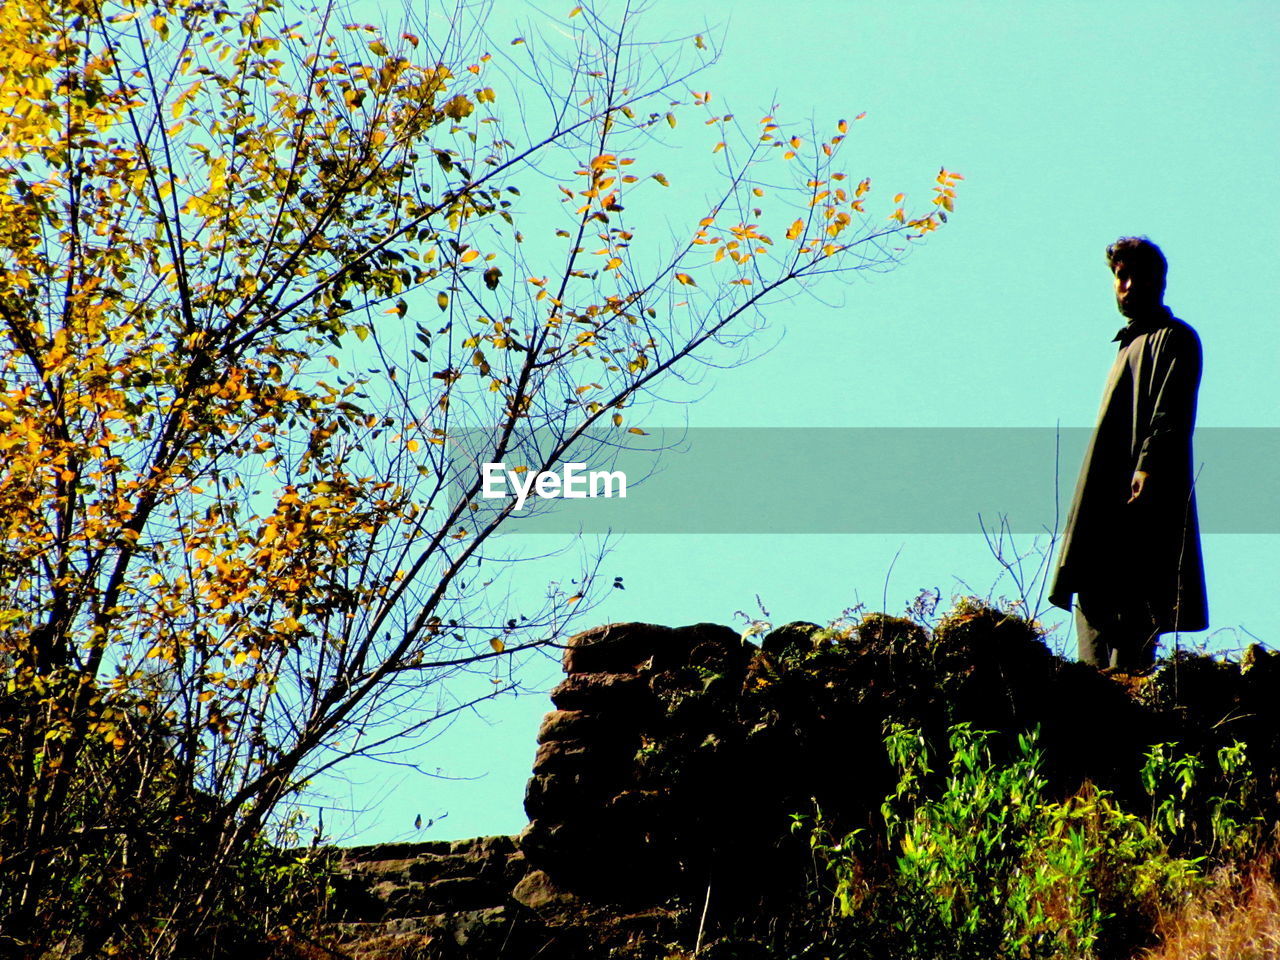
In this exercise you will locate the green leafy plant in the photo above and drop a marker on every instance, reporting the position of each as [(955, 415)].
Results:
[(985, 866), (1179, 786)]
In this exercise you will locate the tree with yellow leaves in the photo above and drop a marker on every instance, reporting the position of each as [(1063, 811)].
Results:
[(267, 302)]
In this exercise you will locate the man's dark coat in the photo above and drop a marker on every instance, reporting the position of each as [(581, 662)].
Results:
[(1148, 550)]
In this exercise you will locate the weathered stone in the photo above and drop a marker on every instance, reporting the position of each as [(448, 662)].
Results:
[(378, 871), (548, 845), (430, 868), (581, 725), (464, 893), (537, 891), (450, 936), (557, 756), (795, 637), (614, 647), (725, 653), (702, 645), (480, 927), (563, 795), (395, 851), (480, 847), (629, 647), (403, 900), (603, 692), (514, 867)]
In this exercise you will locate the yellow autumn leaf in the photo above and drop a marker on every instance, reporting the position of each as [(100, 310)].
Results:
[(442, 300), (497, 644), (794, 230), (458, 107), (685, 279)]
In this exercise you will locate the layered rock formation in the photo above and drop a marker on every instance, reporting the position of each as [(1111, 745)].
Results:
[(666, 776)]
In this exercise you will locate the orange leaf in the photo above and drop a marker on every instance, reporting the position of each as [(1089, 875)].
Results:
[(685, 279)]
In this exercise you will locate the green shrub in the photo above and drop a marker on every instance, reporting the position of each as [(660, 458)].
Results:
[(983, 867)]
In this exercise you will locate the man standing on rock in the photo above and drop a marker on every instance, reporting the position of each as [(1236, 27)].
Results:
[(1131, 550)]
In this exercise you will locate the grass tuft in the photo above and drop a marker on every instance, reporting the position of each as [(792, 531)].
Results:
[(1237, 918)]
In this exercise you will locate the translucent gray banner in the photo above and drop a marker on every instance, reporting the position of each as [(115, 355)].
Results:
[(873, 480)]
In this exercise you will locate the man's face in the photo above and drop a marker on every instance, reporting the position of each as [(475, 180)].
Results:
[(1138, 293)]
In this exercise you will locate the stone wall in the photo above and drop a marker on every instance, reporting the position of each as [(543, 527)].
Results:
[(666, 776)]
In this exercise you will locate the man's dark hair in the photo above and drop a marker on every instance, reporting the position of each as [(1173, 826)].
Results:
[(1140, 255)]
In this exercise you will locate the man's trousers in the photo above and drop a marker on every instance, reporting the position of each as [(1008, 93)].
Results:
[(1115, 632)]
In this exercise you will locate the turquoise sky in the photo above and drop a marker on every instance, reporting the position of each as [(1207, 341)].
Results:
[(1073, 123)]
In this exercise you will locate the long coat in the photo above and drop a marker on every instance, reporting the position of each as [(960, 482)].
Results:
[(1148, 551)]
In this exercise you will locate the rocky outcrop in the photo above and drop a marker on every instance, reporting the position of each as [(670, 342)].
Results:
[(596, 781), (666, 777), (442, 899)]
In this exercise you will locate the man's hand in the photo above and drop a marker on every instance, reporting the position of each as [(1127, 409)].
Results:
[(1137, 485)]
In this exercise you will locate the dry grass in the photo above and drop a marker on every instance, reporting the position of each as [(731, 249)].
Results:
[(1237, 919)]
